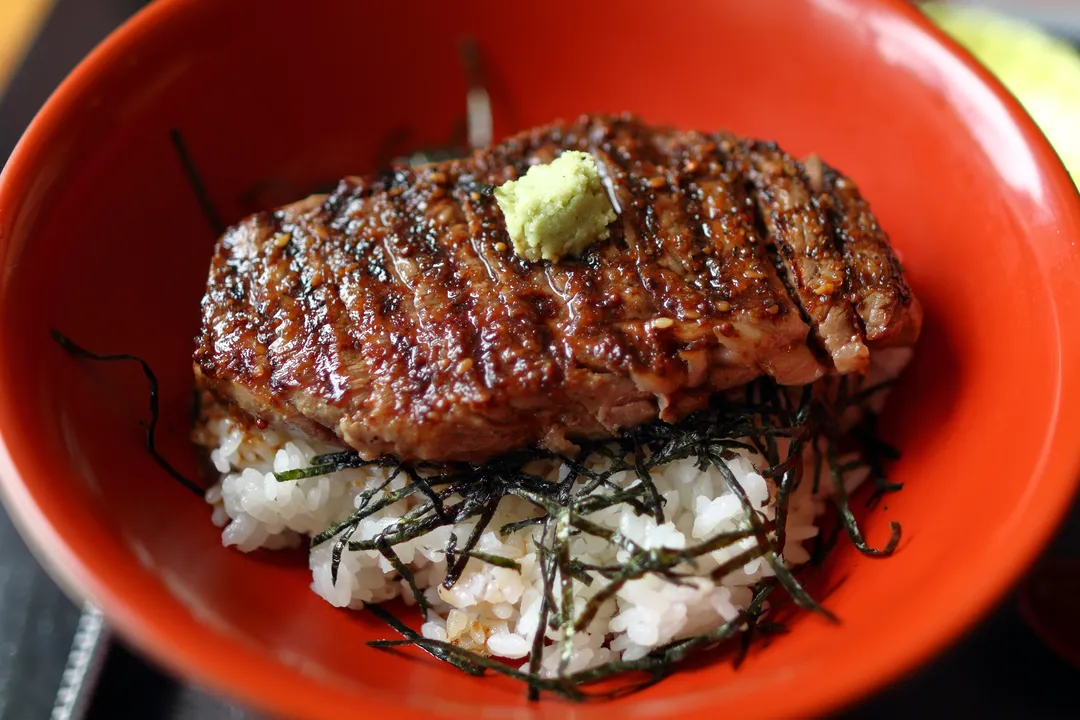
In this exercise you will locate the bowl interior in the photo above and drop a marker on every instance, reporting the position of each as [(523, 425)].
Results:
[(104, 240)]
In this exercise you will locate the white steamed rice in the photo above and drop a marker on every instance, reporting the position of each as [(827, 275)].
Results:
[(495, 610)]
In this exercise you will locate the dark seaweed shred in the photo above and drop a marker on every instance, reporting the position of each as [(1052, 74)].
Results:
[(213, 218), (152, 382), (446, 495)]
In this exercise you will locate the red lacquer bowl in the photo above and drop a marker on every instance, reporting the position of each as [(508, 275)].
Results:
[(103, 239)]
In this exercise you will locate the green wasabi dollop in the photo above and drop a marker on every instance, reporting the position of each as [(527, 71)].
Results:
[(556, 210)]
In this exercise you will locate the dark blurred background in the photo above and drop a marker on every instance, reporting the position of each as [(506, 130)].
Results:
[(999, 670)]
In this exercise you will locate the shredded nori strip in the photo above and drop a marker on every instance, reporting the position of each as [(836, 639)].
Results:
[(840, 497), (213, 218), (151, 380)]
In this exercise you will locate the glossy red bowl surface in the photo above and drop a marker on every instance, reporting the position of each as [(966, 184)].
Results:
[(102, 238)]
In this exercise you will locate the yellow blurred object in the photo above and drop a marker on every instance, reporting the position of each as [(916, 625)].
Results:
[(1042, 71), (19, 22)]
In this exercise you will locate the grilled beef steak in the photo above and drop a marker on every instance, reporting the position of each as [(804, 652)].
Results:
[(394, 315)]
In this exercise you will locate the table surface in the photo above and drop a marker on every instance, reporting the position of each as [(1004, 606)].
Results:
[(1000, 670)]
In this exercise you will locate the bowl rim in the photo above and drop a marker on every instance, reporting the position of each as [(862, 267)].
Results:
[(78, 574)]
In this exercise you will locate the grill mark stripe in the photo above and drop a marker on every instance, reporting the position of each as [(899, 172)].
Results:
[(514, 337), (617, 151), (609, 142), (803, 240), (383, 317), (738, 269), (739, 243), (678, 237), (446, 219), (330, 339), (439, 304), (595, 291), (278, 294), (880, 294)]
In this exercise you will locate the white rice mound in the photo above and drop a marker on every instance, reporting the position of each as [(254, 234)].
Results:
[(495, 610)]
